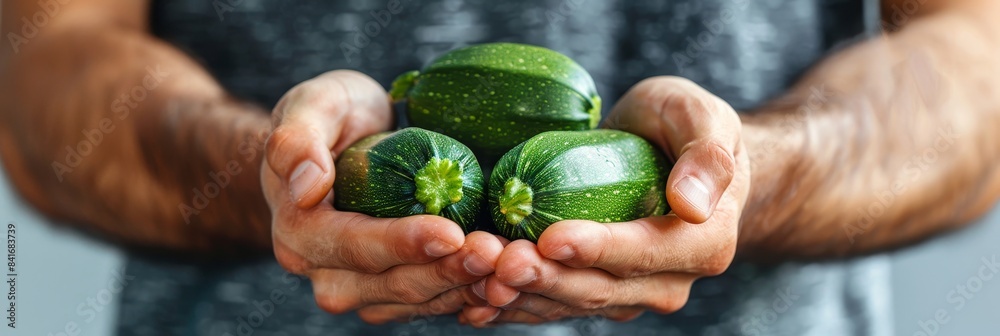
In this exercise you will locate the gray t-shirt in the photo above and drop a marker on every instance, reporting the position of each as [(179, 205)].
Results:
[(747, 52)]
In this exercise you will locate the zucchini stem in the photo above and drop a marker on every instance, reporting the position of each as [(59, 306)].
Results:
[(595, 111), (402, 84), (515, 201), (439, 184)]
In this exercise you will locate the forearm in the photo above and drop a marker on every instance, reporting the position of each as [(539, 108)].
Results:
[(115, 130), (886, 143)]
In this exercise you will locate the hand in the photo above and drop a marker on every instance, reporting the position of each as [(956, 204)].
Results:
[(581, 268), (390, 268)]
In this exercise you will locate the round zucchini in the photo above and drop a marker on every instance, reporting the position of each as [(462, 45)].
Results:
[(600, 175), (411, 171), (494, 96)]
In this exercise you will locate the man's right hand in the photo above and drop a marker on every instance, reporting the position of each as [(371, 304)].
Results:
[(389, 268)]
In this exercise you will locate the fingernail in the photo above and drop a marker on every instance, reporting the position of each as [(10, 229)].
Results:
[(526, 276), (480, 289), (516, 295), (438, 248), (494, 317), (476, 265), (562, 253), (303, 179), (695, 193)]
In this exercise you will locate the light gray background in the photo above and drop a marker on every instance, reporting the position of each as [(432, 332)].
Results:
[(59, 269)]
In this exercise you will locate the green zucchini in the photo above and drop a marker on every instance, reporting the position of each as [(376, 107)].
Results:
[(600, 175), (494, 96), (409, 172)]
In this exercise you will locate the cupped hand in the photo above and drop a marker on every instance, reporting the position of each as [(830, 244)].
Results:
[(618, 270), (389, 268)]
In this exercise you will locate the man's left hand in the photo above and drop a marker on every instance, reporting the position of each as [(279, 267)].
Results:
[(617, 270)]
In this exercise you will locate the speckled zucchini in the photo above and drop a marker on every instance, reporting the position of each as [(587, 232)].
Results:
[(411, 171), (601, 175), (492, 97)]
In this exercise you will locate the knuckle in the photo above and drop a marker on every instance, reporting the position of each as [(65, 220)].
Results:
[(332, 304), (278, 137), (657, 83), (667, 304), (308, 90), (405, 237), (448, 277), (597, 300), (289, 261), (599, 248), (718, 262), (721, 156), (543, 283), (688, 103), (646, 263)]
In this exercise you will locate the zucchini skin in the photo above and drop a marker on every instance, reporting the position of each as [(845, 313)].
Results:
[(377, 176), (494, 96), (600, 175)]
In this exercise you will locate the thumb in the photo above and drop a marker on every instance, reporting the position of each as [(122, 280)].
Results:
[(701, 175), (318, 115), (692, 125)]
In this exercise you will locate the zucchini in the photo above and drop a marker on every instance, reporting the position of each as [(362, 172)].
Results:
[(494, 96), (600, 175), (411, 171)]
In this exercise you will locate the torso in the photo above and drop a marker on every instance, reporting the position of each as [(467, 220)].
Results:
[(747, 52)]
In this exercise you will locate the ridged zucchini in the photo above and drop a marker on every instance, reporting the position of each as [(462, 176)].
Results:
[(601, 175), (494, 96), (411, 171)]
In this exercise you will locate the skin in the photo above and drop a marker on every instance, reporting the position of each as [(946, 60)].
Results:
[(778, 185)]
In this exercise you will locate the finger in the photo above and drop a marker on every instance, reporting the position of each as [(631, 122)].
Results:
[(701, 131), (521, 267), (357, 242), (480, 317), (550, 310), (448, 302), (326, 113), (497, 293), (541, 306), (643, 246), (518, 316), (475, 294), (340, 290)]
